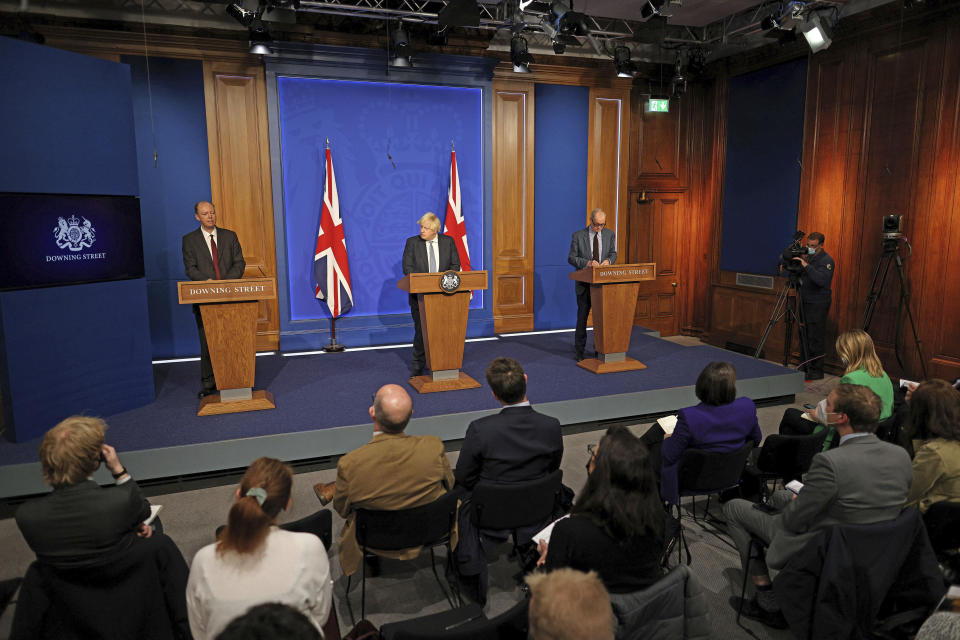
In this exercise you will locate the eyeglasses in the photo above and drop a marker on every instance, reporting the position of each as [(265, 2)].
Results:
[(598, 225)]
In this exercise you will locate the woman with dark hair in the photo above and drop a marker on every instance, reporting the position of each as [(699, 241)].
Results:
[(254, 561), (722, 422), (616, 525), (935, 414)]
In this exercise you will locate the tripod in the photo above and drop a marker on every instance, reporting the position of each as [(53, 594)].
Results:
[(892, 255), (791, 309)]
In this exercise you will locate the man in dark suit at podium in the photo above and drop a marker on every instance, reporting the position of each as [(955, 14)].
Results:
[(429, 252), (595, 245), (210, 253)]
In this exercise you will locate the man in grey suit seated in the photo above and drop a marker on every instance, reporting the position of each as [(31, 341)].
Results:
[(595, 245), (863, 481)]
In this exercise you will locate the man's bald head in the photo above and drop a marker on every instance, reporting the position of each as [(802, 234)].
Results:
[(392, 408)]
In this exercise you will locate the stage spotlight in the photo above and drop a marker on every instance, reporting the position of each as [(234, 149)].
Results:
[(678, 84), (817, 33), (621, 60), (401, 48), (770, 22), (245, 17), (519, 55), (651, 8), (697, 64), (559, 47)]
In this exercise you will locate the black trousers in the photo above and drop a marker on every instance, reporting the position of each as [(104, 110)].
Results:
[(583, 310), (206, 369), (419, 354), (815, 316)]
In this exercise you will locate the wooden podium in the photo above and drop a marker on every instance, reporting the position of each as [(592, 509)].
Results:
[(443, 322), (229, 312), (613, 299)]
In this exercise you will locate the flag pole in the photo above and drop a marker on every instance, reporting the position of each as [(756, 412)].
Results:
[(334, 346)]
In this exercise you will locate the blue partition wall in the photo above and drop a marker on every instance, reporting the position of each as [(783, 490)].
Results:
[(390, 140), (67, 127), (560, 175)]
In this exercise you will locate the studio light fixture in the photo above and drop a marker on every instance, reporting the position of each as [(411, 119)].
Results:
[(621, 60), (400, 46), (519, 55), (817, 33), (651, 8), (244, 16), (678, 84)]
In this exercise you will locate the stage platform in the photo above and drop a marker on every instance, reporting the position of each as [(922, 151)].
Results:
[(322, 401)]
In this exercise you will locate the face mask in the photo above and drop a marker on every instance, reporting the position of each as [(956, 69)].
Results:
[(811, 250)]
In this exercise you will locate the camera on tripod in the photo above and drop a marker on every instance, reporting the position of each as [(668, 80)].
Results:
[(793, 250), (892, 231)]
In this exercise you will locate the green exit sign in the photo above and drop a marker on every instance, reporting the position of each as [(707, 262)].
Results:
[(658, 105)]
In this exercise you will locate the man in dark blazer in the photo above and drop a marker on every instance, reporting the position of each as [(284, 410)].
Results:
[(199, 247), (863, 481), (428, 252), (592, 246), (80, 522), (515, 445)]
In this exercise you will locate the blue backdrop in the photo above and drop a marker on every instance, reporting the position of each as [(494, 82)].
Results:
[(560, 175), (390, 145), (66, 123), (169, 189), (762, 185)]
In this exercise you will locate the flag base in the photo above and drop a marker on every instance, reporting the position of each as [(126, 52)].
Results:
[(333, 347)]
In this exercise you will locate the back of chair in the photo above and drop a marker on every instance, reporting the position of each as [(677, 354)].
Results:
[(465, 623), (404, 528), (511, 505), (942, 521), (789, 456), (704, 472), (319, 523)]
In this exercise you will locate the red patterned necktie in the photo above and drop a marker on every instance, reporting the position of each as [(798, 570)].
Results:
[(215, 255)]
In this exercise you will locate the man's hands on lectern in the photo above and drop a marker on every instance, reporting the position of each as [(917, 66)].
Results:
[(593, 263)]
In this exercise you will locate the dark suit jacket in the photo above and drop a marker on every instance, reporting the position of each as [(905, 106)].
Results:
[(77, 525), (514, 445), (581, 251), (198, 264), (863, 481), (720, 428), (415, 255)]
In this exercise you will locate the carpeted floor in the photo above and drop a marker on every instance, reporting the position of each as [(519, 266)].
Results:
[(408, 590)]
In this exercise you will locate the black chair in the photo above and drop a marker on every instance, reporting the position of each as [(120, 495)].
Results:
[(429, 525), (465, 623), (510, 506), (137, 593), (704, 473), (784, 458), (942, 521)]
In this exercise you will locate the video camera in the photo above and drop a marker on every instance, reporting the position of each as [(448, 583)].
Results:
[(794, 250)]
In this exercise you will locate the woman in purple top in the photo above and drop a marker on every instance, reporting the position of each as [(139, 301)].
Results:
[(721, 422)]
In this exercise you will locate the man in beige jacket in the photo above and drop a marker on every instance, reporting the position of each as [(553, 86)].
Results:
[(392, 471)]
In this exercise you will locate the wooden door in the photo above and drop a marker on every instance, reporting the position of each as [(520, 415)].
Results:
[(654, 235)]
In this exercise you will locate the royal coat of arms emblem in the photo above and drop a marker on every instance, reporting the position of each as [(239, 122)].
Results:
[(71, 234)]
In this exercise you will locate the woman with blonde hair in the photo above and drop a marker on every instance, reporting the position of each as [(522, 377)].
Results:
[(254, 561), (862, 366)]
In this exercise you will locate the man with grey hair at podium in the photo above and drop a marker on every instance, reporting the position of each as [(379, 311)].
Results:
[(210, 253), (428, 252), (593, 246)]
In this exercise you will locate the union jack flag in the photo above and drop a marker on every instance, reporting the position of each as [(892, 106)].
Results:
[(330, 268), (454, 224)]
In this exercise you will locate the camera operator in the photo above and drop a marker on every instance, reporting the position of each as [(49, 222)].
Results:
[(815, 277)]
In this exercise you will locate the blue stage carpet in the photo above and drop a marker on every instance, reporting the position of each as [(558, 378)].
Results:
[(331, 390)]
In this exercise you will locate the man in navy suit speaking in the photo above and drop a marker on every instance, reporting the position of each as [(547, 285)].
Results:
[(428, 252), (589, 247), (210, 253)]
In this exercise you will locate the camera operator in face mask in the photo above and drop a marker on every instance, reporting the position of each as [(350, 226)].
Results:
[(815, 277)]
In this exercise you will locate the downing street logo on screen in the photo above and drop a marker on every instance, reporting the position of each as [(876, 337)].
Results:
[(70, 234)]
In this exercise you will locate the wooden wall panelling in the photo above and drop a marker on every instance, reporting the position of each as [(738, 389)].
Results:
[(607, 168), (240, 181), (513, 179), (655, 234), (938, 306), (658, 145)]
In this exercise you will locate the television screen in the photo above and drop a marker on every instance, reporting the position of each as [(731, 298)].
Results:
[(49, 240)]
